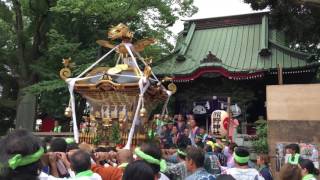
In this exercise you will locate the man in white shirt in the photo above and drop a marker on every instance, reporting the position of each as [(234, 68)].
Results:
[(242, 170)]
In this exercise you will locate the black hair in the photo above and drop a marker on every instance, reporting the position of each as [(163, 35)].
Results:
[(152, 150), (58, 145), (295, 148), (72, 146), (47, 139), (196, 155), (108, 149), (207, 148), (288, 146), (101, 149), (232, 146), (218, 149), (138, 170), (242, 152), (80, 161), (225, 177), (200, 144), (183, 142), (19, 142), (211, 139), (309, 166)]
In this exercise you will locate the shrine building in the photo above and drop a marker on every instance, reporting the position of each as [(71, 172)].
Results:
[(235, 56)]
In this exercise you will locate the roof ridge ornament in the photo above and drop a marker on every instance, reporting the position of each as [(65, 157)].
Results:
[(211, 58)]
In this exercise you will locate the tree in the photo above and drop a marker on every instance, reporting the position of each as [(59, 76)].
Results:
[(298, 19), (24, 25), (261, 144), (39, 33)]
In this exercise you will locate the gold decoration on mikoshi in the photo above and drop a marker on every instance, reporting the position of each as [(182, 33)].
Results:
[(172, 87), (147, 69), (120, 31), (118, 68), (65, 72), (123, 32)]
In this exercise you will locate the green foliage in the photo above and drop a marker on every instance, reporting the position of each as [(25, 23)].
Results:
[(31, 51), (115, 133), (299, 21), (261, 144), (97, 140), (46, 86)]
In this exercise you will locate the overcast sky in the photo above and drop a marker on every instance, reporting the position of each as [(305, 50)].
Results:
[(215, 8)]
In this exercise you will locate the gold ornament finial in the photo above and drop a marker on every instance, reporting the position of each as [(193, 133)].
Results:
[(121, 31), (66, 72), (147, 69)]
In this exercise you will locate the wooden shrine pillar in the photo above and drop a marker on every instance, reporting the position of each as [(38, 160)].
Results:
[(280, 75)]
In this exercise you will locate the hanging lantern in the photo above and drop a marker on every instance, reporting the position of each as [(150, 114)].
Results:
[(143, 112), (68, 111)]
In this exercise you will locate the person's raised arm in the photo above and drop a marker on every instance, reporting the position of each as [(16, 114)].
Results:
[(53, 164)]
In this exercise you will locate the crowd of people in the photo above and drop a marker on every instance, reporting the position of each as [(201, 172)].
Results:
[(184, 151)]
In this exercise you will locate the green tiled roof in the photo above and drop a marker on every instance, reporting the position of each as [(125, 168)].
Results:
[(237, 46)]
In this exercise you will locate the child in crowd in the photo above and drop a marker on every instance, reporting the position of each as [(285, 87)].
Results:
[(308, 171), (263, 161)]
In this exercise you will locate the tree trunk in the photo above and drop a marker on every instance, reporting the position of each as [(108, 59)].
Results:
[(22, 64), (26, 102), (26, 111)]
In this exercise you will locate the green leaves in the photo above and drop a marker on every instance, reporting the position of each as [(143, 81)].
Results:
[(46, 86), (5, 12), (299, 21), (115, 133), (261, 144), (53, 30)]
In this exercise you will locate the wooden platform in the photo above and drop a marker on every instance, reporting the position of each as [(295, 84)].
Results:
[(53, 134)]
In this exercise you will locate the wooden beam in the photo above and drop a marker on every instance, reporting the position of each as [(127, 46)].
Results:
[(280, 75), (311, 1), (230, 116)]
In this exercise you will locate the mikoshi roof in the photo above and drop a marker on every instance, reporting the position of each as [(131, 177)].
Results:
[(237, 47)]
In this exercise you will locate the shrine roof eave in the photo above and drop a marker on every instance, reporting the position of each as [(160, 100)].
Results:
[(238, 75), (242, 16), (234, 47)]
